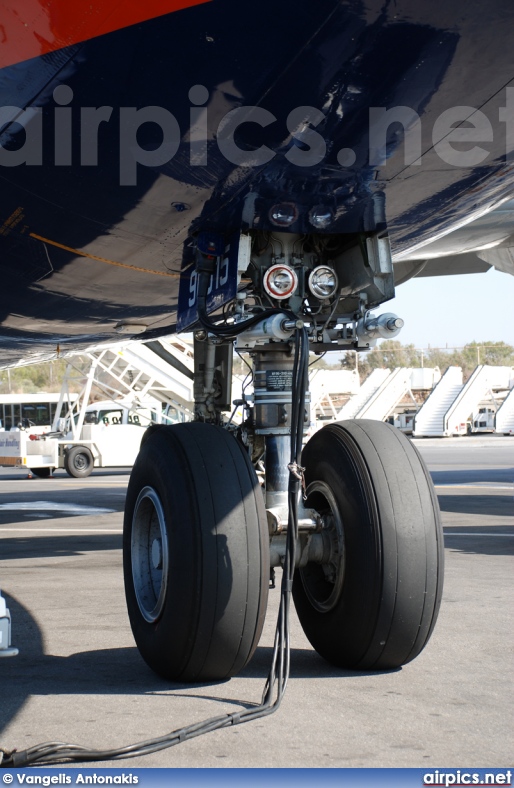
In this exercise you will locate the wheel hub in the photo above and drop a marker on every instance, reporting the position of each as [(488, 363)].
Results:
[(323, 582), (150, 559), (157, 554)]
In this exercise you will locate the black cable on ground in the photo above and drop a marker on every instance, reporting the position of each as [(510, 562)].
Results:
[(276, 682)]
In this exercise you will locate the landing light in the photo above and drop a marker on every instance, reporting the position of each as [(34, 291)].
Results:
[(283, 214), (280, 281), (130, 328), (321, 217), (323, 282)]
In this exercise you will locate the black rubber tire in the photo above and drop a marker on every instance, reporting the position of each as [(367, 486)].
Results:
[(218, 543), (393, 572), (78, 462), (42, 473)]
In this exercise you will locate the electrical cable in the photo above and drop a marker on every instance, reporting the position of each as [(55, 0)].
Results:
[(276, 682), (247, 364), (318, 359)]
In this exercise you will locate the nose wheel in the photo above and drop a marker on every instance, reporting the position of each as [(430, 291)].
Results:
[(196, 553), (374, 604)]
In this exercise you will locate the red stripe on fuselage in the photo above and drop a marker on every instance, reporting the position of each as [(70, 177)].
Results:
[(30, 28)]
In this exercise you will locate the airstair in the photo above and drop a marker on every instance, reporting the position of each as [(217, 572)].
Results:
[(429, 421), (326, 387), (388, 395), (504, 421), (160, 370), (366, 392), (162, 367), (483, 382)]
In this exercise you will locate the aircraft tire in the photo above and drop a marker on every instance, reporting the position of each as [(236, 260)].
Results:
[(78, 462), (42, 473), (195, 553), (375, 607)]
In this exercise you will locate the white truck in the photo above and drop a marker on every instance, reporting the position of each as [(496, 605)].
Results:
[(110, 436), (483, 420)]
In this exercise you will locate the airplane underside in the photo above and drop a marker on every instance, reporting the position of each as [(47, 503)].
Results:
[(91, 240), (257, 175)]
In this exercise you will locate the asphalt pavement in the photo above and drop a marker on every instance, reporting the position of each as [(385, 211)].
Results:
[(79, 677)]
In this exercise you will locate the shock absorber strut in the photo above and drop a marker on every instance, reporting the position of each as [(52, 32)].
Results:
[(273, 380), (273, 367)]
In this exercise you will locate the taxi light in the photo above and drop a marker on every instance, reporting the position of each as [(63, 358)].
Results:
[(320, 217), (323, 282), (280, 281), (284, 214)]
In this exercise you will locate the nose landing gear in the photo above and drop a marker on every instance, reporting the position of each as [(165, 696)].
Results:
[(354, 517)]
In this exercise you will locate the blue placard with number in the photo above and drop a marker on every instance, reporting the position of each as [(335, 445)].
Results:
[(222, 287)]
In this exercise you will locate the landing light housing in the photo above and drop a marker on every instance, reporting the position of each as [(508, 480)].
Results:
[(280, 281), (130, 328), (323, 282), (283, 214), (321, 217)]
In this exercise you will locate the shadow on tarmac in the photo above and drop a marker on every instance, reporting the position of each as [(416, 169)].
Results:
[(305, 664), (61, 545), (121, 671), (499, 540), (8, 474), (29, 504), (495, 505), (471, 476)]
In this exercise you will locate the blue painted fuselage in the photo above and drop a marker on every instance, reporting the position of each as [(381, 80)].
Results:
[(90, 238)]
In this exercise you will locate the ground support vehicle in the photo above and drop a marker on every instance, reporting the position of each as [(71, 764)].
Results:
[(34, 411), (144, 389), (6, 649), (101, 445), (483, 420)]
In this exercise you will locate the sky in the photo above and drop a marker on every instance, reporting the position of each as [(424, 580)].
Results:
[(455, 310)]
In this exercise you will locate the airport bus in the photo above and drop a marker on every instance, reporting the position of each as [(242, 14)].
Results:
[(29, 410)]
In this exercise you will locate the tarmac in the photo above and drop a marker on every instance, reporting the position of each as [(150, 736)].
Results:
[(79, 677)]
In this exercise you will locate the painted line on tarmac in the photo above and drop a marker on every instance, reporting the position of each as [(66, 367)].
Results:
[(446, 533), (484, 486), (66, 485), (63, 530), (53, 506)]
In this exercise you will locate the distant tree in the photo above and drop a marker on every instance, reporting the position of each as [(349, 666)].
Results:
[(32, 378), (439, 357), (319, 362), (391, 353), (472, 354), (494, 353), (356, 361)]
